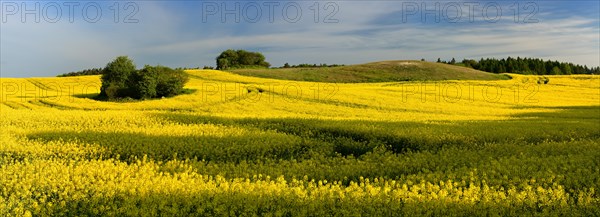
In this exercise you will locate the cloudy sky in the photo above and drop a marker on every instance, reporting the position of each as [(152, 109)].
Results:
[(46, 38)]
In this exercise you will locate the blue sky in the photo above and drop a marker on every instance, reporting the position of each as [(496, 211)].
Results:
[(192, 33)]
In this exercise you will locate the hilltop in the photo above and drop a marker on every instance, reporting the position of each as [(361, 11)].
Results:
[(384, 71)]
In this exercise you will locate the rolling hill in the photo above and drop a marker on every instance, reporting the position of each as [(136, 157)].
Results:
[(384, 71)]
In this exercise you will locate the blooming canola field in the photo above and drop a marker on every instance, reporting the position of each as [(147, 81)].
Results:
[(236, 145)]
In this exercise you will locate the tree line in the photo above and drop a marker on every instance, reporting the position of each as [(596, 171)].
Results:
[(528, 66), (232, 59), (307, 65), (94, 71)]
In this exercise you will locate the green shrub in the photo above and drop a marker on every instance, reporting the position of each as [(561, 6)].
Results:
[(143, 83), (110, 90), (115, 76), (170, 82), (121, 80)]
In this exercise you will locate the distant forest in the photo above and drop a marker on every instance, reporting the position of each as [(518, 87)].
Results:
[(307, 65), (93, 71), (528, 66)]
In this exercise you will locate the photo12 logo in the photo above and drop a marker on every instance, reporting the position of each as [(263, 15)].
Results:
[(451, 92), (454, 12), (58, 11), (210, 91), (269, 11)]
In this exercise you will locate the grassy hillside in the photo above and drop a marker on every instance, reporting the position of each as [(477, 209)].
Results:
[(384, 71), (243, 145)]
